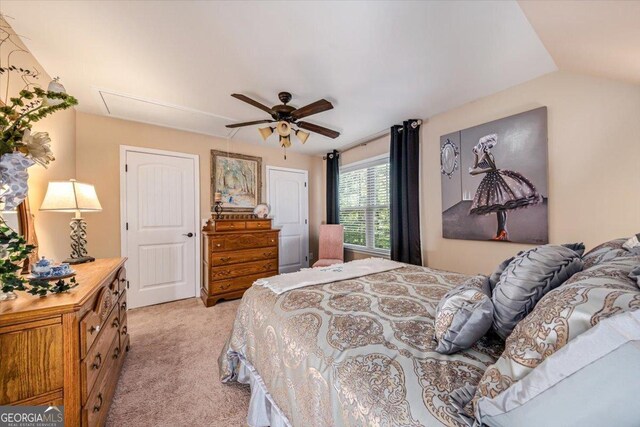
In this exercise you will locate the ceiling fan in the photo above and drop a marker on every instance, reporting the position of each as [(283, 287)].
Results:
[(288, 119)]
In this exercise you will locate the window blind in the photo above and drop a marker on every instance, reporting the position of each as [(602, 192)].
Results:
[(364, 205)]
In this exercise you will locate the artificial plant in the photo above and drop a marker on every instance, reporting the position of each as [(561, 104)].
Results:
[(17, 116), (14, 251)]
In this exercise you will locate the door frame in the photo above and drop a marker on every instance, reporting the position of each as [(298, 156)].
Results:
[(124, 250), (306, 179)]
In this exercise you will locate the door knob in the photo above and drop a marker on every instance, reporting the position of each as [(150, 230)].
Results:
[(188, 234)]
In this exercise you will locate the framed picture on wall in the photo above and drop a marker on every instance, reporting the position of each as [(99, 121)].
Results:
[(239, 180), (494, 180)]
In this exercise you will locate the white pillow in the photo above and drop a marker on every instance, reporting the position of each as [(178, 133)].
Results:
[(592, 381)]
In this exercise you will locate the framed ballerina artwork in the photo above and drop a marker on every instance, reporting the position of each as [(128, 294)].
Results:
[(494, 180)]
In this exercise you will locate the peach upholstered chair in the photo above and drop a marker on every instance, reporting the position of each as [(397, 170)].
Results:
[(331, 245)]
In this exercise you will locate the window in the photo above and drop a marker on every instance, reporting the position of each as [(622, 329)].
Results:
[(364, 205)]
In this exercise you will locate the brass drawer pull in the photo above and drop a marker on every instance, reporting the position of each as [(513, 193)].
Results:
[(225, 258), (218, 245), (116, 323), (97, 407), (267, 254), (225, 286), (97, 361), (259, 224), (116, 353), (94, 329)]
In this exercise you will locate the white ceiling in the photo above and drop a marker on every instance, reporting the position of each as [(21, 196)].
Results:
[(377, 62)]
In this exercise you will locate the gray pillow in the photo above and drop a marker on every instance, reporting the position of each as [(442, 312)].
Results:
[(463, 315), (605, 252), (584, 383), (635, 275), (528, 278), (495, 276)]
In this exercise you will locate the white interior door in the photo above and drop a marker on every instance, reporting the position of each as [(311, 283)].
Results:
[(160, 227), (288, 197)]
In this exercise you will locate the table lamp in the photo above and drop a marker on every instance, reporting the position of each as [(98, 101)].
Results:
[(75, 197)]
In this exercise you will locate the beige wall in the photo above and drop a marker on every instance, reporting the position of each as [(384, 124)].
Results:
[(98, 159), (594, 172), (52, 228), (373, 148)]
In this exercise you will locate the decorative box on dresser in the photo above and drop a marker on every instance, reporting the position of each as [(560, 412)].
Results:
[(236, 253), (67, 349)]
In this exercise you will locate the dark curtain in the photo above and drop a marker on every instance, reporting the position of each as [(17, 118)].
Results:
[(404, 159), (333, 178)]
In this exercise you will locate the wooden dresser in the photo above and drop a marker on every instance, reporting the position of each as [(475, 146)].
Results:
[(67, 349), (236, 253)]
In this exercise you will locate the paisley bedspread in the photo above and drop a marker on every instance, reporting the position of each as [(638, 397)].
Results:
[(358, 352)]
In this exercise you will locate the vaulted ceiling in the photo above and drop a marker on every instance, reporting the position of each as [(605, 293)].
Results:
[(176, 63)]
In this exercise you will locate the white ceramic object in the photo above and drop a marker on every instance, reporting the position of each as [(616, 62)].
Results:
[(262, 210)]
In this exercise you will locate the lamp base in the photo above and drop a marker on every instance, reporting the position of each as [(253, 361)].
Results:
[(80, 260)]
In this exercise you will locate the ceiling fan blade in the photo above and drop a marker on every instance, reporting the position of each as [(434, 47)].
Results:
[(252, 102), (257, 122), (318, 129), (313, 108)]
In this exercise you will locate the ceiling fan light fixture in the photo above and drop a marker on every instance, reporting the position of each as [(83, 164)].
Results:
[(302, 135), (283, 128), (285, 141), (266, 132)]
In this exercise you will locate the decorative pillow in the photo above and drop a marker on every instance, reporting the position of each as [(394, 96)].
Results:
[(605, 252), (632, 243), (528, 278), (495, 276), (635, 275), (463, 315), (564, 384), (561, 315)]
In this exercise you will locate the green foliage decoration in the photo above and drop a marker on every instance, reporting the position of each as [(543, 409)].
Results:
[(17, 116), (21, 112), (14, 251)]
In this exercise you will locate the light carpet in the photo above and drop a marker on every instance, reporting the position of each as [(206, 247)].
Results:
[(170, 376)]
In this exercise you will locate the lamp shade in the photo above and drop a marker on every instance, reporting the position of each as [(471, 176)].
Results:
[(283, 128), (302, 135), (285, 141), (265, 132), (70, 196)]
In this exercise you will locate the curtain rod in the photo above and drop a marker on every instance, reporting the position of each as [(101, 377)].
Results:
[(414, 124)]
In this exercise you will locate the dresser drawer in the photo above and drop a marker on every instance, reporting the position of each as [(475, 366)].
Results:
[(259, 225), (94, 412), (98, 356), (122, 280), (93, 322), (124, 331), (122, 305), (243, 241), (230, 225), (236, 270), (246, 255), (238, 283)]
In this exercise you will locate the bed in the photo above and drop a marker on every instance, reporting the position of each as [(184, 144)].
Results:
[(353, 352)]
